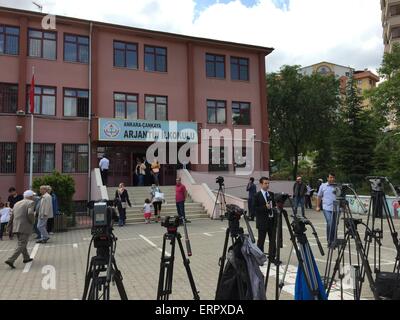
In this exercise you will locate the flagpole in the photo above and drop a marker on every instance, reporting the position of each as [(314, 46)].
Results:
[(31, 155)]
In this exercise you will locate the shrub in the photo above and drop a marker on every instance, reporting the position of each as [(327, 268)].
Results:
[(63, 186)]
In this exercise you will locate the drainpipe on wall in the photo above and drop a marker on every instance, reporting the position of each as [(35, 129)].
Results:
[(90, 115)]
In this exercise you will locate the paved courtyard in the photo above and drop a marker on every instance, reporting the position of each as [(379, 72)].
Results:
[(58, 269)]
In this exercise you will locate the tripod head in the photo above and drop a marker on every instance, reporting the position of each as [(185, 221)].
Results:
[(171, 223), (220, 181), (377, 183), (340, 190), (233, 214), (299, 229)]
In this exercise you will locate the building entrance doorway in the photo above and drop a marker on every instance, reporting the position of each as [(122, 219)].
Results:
[(120, 168), (123, 162)]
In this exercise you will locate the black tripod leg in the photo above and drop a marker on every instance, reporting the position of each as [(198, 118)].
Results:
[(186, 263), (270, 257), (92, 282), (267, 275), (118, 281), (337, 263), (222, 261), (166, 270), (215, 203), (279, 244), (88, 279)]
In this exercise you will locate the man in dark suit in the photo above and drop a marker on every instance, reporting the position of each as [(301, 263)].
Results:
[(265, 217)]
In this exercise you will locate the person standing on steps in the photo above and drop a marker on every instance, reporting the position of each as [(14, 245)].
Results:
[(180, 197), (122, 201)]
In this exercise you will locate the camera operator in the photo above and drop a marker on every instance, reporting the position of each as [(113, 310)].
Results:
[(327, 194), (265, 220)]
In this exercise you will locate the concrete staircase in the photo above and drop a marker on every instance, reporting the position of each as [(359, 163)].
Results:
[(137, 196)]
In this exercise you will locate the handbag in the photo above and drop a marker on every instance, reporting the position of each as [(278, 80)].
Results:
[(124, 205), (159, 195)]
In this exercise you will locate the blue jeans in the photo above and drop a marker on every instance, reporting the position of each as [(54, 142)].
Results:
[(35, 228), (180, 206), (299, 201), (122, 216), (42, 226), (331, 220), (141, 180)]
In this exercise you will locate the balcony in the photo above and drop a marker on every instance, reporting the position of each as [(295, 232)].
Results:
[(392, 23)]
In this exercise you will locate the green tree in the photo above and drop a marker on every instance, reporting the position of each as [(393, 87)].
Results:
[(355, 138), (63, 186), (386, 97), (387, 156), (302, 109)]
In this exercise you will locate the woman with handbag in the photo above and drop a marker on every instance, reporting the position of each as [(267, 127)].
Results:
[(157, 198), (122, 201), (155, 171)]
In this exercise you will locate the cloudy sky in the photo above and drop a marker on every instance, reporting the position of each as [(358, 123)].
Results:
[(346, 32)]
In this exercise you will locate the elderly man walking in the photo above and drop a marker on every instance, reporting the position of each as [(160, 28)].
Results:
[(45, 212), (24, 217)]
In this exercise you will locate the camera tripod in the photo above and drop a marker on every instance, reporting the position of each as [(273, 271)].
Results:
[(302, 248), (350, 233), (167, 266), (98, 287), (220, 198), (379, 209)]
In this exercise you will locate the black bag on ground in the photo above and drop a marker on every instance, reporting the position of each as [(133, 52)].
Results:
[(388, 285), (235, 282)]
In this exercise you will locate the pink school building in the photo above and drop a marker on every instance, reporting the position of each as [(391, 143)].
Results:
[(91, 75)]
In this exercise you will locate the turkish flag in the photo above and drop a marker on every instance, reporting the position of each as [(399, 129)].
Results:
[(32, 95)]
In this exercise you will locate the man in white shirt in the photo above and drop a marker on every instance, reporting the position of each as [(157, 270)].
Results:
[(5, 213), (327, 194), (104, 165)]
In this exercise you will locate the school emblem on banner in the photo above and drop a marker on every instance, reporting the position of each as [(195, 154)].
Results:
[(111, 129)]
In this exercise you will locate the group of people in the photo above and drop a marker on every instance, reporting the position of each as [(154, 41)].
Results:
[(261, 206), (147, 173), (144, 172), (26, 214), (153, 203)]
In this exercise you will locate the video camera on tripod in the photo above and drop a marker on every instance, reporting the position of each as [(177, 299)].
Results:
[(220, 181), (220, 198), (97, 286)]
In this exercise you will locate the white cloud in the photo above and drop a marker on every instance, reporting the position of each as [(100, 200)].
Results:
[(347, 32)]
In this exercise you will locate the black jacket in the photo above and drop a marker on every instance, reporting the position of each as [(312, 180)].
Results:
[(263, 215), (123, 198), (300, 188)]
